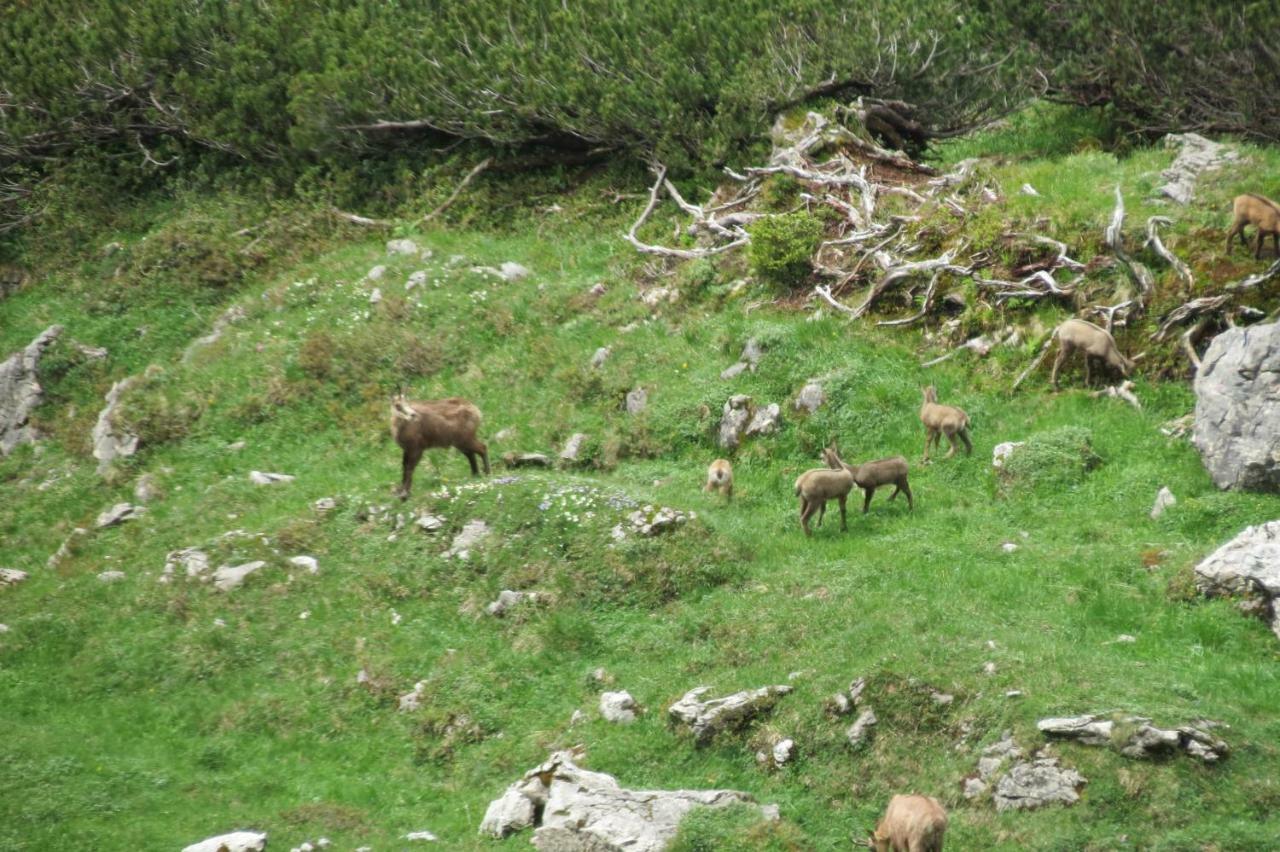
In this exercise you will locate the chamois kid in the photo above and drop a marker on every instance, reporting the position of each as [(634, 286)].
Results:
[(815, 487), (421, 426), (1262, 213), (1094, 341), (910, 824), (871, 475), (720, 478), (942, 420)]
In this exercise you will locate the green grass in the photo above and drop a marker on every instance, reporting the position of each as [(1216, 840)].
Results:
[(133, 720)]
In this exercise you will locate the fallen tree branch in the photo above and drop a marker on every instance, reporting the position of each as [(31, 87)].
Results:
[(924, 307), (1044, 350), (1195, 308), (356, 219), (1257, 279), (1153, 240), (1189, 338), (481, 166), (1110, 311), (1025, 288), (1124, 391), (741, 236), (1114, 239)]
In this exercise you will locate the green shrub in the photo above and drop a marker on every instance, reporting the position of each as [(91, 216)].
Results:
[(1056, 459), (781, 247)]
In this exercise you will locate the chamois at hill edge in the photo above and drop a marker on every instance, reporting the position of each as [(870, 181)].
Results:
[(871, 475), (433, 424), (942, 420), (910, 824), (1259, 211), (1094, 341), (720, 478), (815, 487)]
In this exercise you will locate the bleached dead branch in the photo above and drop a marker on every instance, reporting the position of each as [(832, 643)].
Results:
[(1153, 240), (740, 236), (1124, 391), (457, 190), (1257, 279)]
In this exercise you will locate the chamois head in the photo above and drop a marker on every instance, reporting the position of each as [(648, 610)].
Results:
[(930, 393), (400, 407)]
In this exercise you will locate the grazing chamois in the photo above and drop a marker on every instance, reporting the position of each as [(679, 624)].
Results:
[(720, 478), (910, 824), (871, 475), (420, 426), (1094, 341), (1262, 213), (815, 487), (942, 420)]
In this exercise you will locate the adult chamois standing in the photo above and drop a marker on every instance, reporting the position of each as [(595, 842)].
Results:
[(1262, 213), (1094, 342), (432, 424), (942, 420), (910, 824), (815, 487)]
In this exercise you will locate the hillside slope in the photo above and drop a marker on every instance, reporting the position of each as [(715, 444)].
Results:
[(148, 714)]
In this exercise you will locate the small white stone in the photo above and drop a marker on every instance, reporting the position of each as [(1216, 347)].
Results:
[(308, 562), (111, 576), (376, 273), (4, 628), (989, 668), (304, 615), (258, 477), (421, 835), (1013, 693), (783, 752), (376, 296), (325, 504), (1008, 547), (1028, 189)]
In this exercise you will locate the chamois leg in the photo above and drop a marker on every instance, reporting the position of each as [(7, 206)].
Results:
[(471, 459), (1087, 378), (905, 488), (929, 435), (409, 464), (483, 451), (1064, 349), (1275, 238), (951, 437), (843, 526), (968, 445), (806, 509), (822, 511), (1237, 227), (866, 503)]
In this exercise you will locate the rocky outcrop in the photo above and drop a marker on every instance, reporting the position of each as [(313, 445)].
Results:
[(706, 719), (577, 810), (118, 514), (1136, 737), (618, 707), (470, 536), (734, 419), (573, 447), (637, 401), (229, 577), (765, 420), (1237, 419), (649, 521), (810, 398), (20, 391), (1027, 784), (1196, 155), (508, 600), (11, 577), (231, 315), (1248, 565), (1164, 500), (108, 443)]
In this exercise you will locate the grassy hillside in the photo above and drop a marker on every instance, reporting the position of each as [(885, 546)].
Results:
[(140, 714)]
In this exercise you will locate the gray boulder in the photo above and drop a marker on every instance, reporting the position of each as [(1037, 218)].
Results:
[(637, 400), (705, 719), (118, 514), (1136, 737), (236, 841), (1249, 564), (11, 576), (470, 536), (577, 810), (810, 398), (733, 420), (1196, 155), (1037, 783), (765, 420), (618, 707), (228, 578), (108, 443), (20, 392), (1237, 419), (573, 447)]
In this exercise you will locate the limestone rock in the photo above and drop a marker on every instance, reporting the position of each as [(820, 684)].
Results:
[(1164, 500), (618, 707), (20, 391), (810, 398), (111, 576), (308, 562), (1001, 452), (325, 504), (601, 355), (258, 477), (1249, 564), (471, 535), (1237, 418), (733, 420), (227, 578), (577, 809), (418, 278), (376, 273), (193, 563), (1037, 783), (236, 841), (514, 459), (993, 757), (508, 600), (412, 700), (859, 732), (118, 514), (145, 489), (421, 835), (765, 420), (109, 444), (1196, 155), (429, 523), (705, 719), (396, 247), (752, 352), (1136, 737), (649, 521), (733, 371), (512, 271), (573, 447), (231, 315), (11, 576), (637, 399)]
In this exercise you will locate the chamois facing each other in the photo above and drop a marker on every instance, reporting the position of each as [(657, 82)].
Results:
[(720, 478), (871, 475), (1262, 213), (421, 426), (1094, 341), (815, 487), (942, 420), (910, 824)]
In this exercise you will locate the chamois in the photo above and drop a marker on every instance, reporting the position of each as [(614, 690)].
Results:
[(815, 487), (720, 478), (911, 824), (420, 426), (1263, 213), (1094, 341), (942, 420), (871, 475)]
